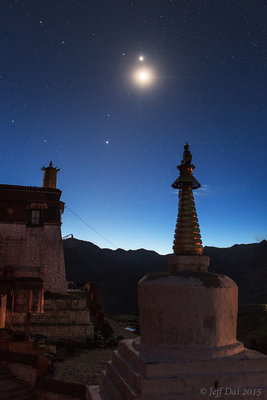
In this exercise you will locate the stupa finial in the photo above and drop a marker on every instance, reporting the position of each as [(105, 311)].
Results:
[(187, 156), (187, 239), (186, 171)]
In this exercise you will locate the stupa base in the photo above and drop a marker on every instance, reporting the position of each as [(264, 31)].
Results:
[(135, 373), (188, 263)]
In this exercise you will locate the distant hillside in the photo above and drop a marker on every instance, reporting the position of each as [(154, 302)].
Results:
[(246, 264), (117, 272)]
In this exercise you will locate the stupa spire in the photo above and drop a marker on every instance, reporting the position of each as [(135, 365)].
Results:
[(187, 239)]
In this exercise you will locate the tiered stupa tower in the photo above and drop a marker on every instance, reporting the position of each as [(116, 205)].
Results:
[(187, 349), (187, 244), (187, 234)]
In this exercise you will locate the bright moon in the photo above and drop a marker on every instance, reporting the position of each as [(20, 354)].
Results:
[(143, 76)]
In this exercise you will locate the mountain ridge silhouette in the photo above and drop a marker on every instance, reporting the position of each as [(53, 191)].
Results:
[(117, 272)]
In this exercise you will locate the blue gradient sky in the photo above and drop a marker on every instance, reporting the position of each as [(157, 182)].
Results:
[(66, 89)]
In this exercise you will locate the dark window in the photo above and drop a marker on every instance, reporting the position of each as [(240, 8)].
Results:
[(35, 217)]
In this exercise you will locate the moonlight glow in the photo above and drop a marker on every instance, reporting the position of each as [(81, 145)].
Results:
[(143, 76)]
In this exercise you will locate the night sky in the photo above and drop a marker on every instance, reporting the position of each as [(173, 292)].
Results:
[(68, 95)]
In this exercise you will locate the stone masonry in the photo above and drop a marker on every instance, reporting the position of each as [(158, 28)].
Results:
[(35, 252)]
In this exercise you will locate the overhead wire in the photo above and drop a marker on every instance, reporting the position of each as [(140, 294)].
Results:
[(99, 234)]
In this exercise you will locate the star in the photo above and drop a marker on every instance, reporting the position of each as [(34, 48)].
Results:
[(141, 58), (107, 142)]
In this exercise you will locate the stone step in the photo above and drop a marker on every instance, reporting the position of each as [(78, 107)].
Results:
[(18, 395), (101, 395), (124, 378), (95, 393), (11, 386), (132, 356), (191, 381), (175, 396), (177, 381), (248, 379), (194, 396), (128, 369), (127, 391), (245, 362), (110, 388), (181, 381), (111, 392)]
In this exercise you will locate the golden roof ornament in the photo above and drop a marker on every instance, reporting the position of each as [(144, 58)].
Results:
[(187, 239), (50, 176)]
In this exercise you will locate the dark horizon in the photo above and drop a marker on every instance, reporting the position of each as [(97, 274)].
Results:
[(167, 254)]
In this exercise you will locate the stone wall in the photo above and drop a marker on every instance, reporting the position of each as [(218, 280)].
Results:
[(34, 252), (78, 333), (74, 300), (65, 317)]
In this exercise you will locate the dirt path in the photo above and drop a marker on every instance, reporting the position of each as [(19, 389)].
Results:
[(86, 365)]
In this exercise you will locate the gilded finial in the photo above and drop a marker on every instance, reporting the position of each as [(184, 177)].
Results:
[(50, 176)]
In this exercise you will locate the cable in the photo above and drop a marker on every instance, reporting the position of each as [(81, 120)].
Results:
[(99, 234)]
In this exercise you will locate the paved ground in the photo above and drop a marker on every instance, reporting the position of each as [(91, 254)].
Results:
[(86, 365)]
